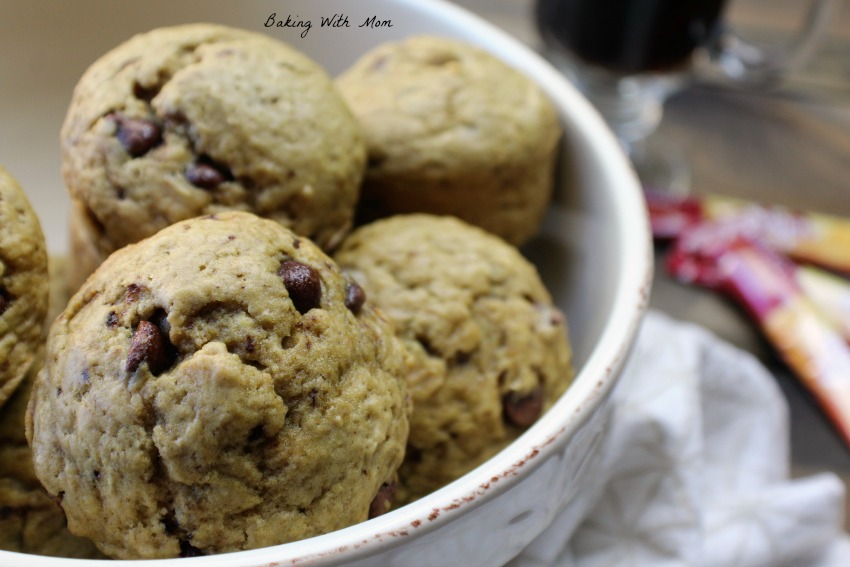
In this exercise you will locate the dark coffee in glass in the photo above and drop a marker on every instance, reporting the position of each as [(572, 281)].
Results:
[(630, 36)]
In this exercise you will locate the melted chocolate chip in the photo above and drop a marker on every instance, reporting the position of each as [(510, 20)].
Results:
[(5, 300), (523, 409), (355, 297), (207, 174), (149, 345), (133, 292), (137, 135), (383, 500), (302, 283)]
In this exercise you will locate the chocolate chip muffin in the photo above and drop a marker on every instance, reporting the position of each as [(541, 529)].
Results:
[(196, 119), (453, 130), (30, 521), (23, 284), (488, 349), (218, 386)]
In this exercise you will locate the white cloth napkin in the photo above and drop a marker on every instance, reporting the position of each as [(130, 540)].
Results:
[(695, 470)]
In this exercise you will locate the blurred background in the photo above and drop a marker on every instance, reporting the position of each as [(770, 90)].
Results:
[(787, 145)]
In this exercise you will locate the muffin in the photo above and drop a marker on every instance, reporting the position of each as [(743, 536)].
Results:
[(30, 521), (453, 130), (218, 386), (488, 351), (83, 235), (195, 119), (23, 284)]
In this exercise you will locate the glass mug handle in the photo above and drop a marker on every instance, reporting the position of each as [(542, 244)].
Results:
[(740, 61)]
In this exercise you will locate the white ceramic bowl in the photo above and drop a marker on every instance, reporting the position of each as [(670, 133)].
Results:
[(595, 256)]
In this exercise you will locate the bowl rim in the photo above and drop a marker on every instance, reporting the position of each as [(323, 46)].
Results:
[(592, 384)]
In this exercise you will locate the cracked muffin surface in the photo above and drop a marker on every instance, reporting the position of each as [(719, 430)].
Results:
[(196, 119), (488, 351), (452, 130), (23, 284), (218, 386)]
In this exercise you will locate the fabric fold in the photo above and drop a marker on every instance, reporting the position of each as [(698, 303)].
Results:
[(695, 470)]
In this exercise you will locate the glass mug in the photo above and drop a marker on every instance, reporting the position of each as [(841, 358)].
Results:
[(628, 56)]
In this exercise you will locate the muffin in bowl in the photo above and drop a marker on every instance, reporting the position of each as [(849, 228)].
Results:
[(488, 349), (194, 119), (210, 389)]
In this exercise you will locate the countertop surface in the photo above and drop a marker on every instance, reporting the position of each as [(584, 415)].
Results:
[(788, 145)]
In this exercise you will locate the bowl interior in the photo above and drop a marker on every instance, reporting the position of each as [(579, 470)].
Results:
[(594, 254)]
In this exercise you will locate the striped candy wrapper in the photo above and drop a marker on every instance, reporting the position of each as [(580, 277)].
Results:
[(808, 237), (724, 256)]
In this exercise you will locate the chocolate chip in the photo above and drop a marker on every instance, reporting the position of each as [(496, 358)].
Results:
[(137, 135), (111, 319), (133, 292), (302, 283), (523, 409), (189, 550), (207, 174), (355, 297), (149, 345), (175, 120), (383, 500), (144, 93), (172, 527)]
